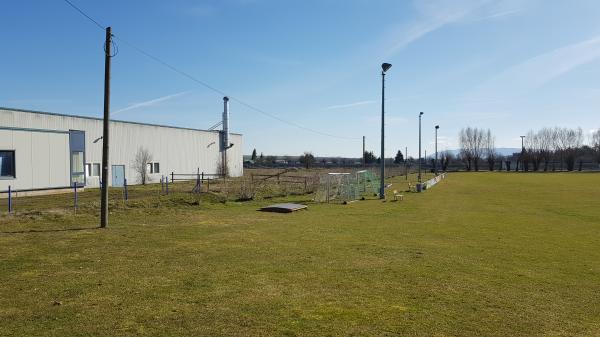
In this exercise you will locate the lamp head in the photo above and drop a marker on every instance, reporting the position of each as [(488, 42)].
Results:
[(386, 66), (437, 126), (421, 113)]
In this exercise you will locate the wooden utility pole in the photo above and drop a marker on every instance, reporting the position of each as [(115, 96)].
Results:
[(105, 134)]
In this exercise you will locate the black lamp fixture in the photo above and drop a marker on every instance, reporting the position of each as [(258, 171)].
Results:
[(384, 67)]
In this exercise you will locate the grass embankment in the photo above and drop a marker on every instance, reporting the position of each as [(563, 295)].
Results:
[(478, 255)]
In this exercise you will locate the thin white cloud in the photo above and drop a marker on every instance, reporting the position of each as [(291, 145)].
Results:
[(150, 102), (436, 14), (499, 15), (349, 105), (539, 70)]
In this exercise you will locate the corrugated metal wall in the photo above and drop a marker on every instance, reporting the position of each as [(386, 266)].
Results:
[(49, 151), (177, 150)]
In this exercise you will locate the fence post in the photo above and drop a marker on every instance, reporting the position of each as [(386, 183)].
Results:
[(9, 199), (167, 186), (172, 177), (305, 186), (75, 191), (125, 185), (162, 184), (328, 177), (207, 184)]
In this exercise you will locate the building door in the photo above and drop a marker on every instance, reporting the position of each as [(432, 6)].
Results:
[(118, 175)]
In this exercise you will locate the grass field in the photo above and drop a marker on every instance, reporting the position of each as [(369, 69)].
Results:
[(480, 254)]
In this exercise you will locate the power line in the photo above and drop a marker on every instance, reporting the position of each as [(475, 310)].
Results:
[(206, 85), (83, 13), (241, 102)]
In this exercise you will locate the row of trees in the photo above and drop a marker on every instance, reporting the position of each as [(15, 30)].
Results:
[(477, 147), (549, 144), (540, 147)]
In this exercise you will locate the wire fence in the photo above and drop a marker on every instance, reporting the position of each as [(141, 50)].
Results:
[(183, 189)]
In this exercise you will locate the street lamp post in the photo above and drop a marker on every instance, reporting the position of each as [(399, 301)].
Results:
[(436, 150), (522, 154), (384, 67), (420, 115)]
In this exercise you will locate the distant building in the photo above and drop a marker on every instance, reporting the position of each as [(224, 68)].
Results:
[(42, 151)]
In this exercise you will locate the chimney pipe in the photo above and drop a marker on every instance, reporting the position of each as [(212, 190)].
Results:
[(226, 143)]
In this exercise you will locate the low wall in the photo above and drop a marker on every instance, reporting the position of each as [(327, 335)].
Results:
[(431, 182)]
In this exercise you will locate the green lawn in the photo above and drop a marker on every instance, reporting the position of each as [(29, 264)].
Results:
[(480, 254)]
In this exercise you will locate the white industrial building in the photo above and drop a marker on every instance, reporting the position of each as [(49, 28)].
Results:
[(41, 151)]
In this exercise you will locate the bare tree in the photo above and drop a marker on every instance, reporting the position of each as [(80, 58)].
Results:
[(465, 154), (569, 142), (489, 143), (471, 142), (445, 158), (546, 145), (143, 157), (533, 151), (596, 145)]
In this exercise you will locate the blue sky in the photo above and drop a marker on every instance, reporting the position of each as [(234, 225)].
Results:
[(506, 65)]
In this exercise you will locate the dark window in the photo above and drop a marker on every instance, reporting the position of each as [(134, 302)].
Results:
[(7, 164), (156, 168)]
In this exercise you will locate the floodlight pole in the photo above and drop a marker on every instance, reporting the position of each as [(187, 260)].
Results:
[(420, 115), (384, 68), (436, 150)]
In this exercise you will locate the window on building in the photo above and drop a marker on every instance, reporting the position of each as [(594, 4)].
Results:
[(153, 168), (92, 170), (7, 164), (77, 168), (96, 170)]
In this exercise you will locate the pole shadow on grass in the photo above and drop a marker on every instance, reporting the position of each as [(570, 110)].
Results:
[(51, 230)]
